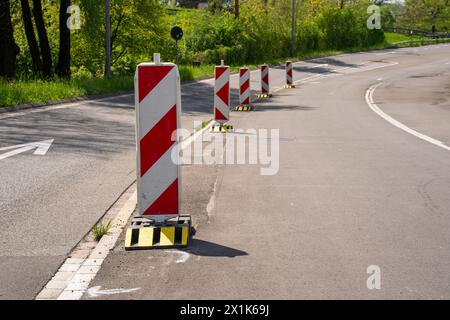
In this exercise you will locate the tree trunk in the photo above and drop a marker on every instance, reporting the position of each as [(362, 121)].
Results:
[(31, 38), (9, 48), (43, 39), (63, 66)]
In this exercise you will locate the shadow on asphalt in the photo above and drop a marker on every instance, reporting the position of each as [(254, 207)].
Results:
[(201, 100), (209, 249), (97, 131), (307, 69), (317, 69), (333, 62)]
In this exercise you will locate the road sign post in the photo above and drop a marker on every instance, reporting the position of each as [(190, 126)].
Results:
[(108, 39), (158, 105), (177, 34)]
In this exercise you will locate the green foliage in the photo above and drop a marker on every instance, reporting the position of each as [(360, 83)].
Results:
[(346, 28), (397, 37), (34, 91), (141, 27), (423, 14), (100, 230)]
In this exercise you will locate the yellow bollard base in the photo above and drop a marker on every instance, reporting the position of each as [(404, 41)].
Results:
[(243, 108), (147, 235), (289, 86), (221, 128), (264, 95)]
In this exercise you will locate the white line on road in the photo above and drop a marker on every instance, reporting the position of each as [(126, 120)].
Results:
[(377, 110), (182, 256), (96, 291), (40, 146)]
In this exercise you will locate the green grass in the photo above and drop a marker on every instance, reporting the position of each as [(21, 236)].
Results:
[(397, 37), (36, 91), (100, 230)]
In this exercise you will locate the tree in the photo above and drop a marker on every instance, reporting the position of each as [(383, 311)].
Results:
[(424, 14), (9, 48), (31, 38), (43, 39), (63, 65)]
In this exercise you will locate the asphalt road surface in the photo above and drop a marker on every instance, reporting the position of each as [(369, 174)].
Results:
[(352, 191), (49, 202)]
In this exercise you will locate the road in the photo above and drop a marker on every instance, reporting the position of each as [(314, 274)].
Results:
[(48, 203), (352, 191)]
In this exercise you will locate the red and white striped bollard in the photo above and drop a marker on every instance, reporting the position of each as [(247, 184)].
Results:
[(221, 98), (289, 75), (244, 90), (265, 87), (158, 105)]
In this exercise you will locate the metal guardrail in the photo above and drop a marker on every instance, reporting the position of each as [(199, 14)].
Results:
[(420, 42), (405, 31), (415, 32)]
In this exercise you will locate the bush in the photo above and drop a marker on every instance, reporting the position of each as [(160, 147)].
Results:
[(232, 55), (346, 28)]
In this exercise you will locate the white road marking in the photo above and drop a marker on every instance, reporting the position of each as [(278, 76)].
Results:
[(212, 199), (183, 256), (109, 104), (377, 110), (40, 146), (96, 291), (381, 54)]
